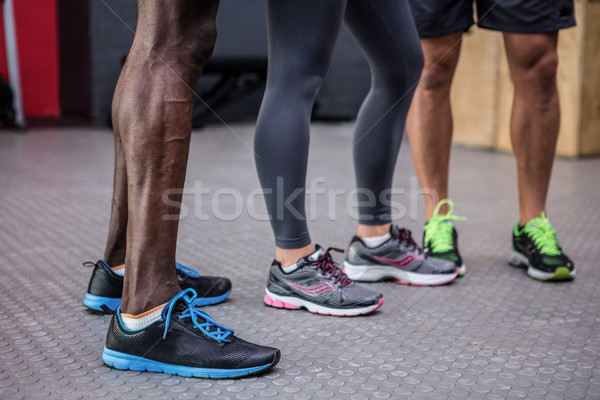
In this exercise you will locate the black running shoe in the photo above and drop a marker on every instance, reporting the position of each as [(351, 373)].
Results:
[(106, 287), (535, 248), (185, 342), (440, 239)]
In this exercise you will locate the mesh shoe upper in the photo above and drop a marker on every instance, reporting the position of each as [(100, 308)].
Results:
[(104, 282), (399, 251), (537, 241), (205, 286), (319, 280)]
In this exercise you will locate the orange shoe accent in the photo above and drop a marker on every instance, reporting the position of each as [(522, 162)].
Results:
[(144, 313), (118, 267)]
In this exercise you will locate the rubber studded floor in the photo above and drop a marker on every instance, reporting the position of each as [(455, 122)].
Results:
[(494, 334)]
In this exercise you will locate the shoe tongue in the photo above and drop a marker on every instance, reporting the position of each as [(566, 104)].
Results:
[(179, 307), (318, 253), (537, 222), (312, 257), (394, 230)]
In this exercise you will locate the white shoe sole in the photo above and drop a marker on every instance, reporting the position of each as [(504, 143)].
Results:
[(375, 273), (295, 303), (462, 270), (518, 260)]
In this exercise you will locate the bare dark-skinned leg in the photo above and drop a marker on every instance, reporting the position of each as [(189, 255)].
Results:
[(116, 243), (535, 118), (153, 105), (430, 137)]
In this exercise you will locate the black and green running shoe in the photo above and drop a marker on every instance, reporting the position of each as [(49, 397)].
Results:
[(535, 247), (440, 239)]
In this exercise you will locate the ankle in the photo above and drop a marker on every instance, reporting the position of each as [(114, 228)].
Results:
[(119, 269), (431, 212), (527, 216), (148, 297), (140, 321), (114, 256), (367, 231), (114, 260), (287, 257)]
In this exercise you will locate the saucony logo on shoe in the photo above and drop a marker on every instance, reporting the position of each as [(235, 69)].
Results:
[(315, 290), (403, 262)]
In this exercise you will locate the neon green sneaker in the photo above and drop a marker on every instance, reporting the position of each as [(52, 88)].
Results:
[(535, 247), (440, 239)]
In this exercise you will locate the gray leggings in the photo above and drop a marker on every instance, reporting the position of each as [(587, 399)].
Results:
[(302, 34)]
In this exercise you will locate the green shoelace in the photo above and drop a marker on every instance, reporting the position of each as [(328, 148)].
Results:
[(438, 231), (543, 235)]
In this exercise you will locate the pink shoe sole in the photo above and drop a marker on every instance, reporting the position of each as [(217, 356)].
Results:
[(280, 304)]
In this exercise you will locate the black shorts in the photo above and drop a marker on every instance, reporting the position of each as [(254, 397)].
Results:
[(436, 18)]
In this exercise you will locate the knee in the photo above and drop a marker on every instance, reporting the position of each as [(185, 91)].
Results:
[(181, 48), (414, 64), (179, 33), (400, 74), (191, 49), (437, 76), (538, 75), (294, 81), (438, 70), (199, 49)]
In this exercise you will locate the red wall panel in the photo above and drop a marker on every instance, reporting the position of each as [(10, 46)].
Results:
[(37, 41), (3, 67)]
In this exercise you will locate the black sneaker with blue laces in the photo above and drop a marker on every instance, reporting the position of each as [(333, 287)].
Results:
[(106, 287), (187, 342)]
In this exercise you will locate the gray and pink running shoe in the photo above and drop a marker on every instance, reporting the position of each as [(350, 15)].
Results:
[(399, 259), (319, 285)]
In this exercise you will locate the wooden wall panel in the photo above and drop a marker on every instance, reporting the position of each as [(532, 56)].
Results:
[(482, 92)]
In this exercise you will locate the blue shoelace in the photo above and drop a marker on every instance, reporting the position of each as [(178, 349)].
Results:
[(187, 270), (218, 333)]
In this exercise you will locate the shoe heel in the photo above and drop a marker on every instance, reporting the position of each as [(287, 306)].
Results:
[(518, 260), (208, 301), (361, 273), (278, 303), (96, 302)]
